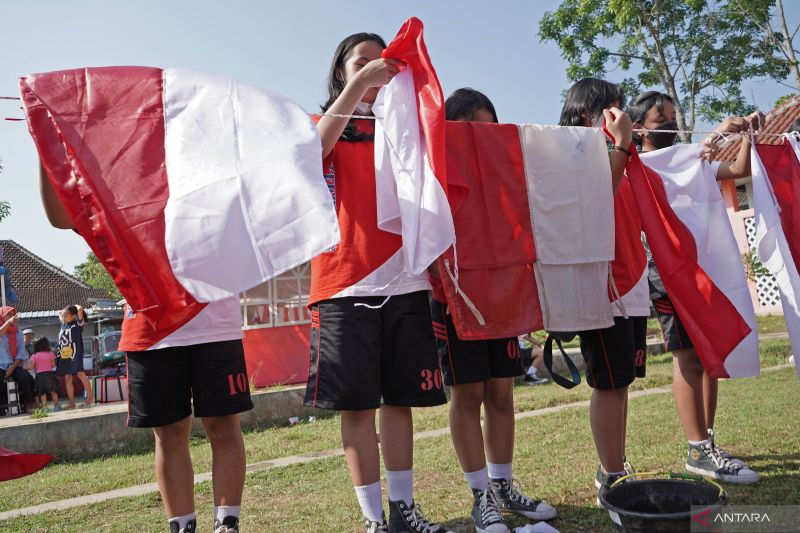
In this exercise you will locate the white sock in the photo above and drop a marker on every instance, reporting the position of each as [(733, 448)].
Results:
[(183, 520), (370, 501), (532, 371), (500, 471), (700, 442), (401, 485), (224, 511), (477, 480)]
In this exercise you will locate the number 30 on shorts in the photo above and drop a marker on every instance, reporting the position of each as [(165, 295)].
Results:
[(237, 385), (431, 379)]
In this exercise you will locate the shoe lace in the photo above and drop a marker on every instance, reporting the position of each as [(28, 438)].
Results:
[(414, 517), (516, 495), (719, 460), (490, 513)]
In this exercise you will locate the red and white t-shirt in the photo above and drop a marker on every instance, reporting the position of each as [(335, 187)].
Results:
[(217, 321), (367, 261)]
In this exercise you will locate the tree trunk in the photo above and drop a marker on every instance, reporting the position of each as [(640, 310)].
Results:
[(787, 44)]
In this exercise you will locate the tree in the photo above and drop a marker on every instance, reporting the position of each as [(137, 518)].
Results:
[(94, 274), (770, 18), (697, 51), (5, 207)]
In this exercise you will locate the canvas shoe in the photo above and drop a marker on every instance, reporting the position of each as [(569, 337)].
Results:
[(485, 513), (371, 526), (705, 459), (534, 380), (229, 525), (191, 527), (403, 518), (511, 500), (603, 480), (724, 453)]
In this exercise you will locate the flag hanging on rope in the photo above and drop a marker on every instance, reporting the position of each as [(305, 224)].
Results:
[(692, 192), (189, 188), (410, 154), (776, 191), (712, 321)]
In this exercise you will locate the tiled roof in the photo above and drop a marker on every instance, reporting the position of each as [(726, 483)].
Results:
[(779, 120), (41, 286)]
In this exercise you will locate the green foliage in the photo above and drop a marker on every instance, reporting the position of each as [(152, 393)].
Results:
[(698, 51), (753, 268), (5, 209), (93, 273)]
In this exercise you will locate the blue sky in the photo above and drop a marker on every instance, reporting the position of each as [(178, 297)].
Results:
[(282, 46)]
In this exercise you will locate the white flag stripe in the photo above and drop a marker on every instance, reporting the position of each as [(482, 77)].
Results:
[(245, 182), (773, 250)]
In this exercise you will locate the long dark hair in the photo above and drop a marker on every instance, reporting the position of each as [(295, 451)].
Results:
[(42, 344), (465, 102), (336, 81), (643, 103), (589, 97)]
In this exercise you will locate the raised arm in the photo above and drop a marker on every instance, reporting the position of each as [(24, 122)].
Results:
[(53, 207), (740, 167), (620, 127)]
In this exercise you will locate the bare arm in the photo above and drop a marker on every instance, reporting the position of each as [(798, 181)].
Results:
[(620, 127), (8, 323), (56, 214), (740, 167)]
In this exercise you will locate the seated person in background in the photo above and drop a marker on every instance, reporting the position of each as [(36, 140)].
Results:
[(12, 356), (532, 358)]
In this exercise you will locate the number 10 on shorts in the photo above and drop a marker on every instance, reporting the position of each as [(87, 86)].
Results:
[(237, 384)]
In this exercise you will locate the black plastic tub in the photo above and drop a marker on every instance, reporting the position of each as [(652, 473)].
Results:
[(658, 505)]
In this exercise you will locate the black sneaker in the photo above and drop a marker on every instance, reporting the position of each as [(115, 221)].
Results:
[(705, 459), (191, 527), (511, 500), (535, 380), (724, 453), (603, 480), (485, 514), (229, 525), (403, 518), (371, 526)]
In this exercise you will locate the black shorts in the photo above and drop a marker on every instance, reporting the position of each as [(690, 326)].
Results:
[(617, 355), (69, 367), (164, 384), (675, 335), (361, 357), (472, 361), (46, 383)]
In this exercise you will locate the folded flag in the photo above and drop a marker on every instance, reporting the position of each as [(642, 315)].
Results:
[(189, 188), (776, 191), (691, 189)]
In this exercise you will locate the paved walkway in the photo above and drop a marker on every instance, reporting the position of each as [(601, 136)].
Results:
[(281, 462)]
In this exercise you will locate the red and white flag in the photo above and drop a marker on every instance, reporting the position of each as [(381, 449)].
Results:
[(410, 159), (776, 197), (691, 189), (189, 188), (715, 325)]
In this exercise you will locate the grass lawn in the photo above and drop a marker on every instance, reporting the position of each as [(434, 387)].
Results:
[(555, 460)]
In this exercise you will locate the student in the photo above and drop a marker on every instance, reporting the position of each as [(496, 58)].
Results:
[(70, 347), (611, 354), (533, 358), (43, 361), (694, 391), (372, 344), (13, 356), (482, 373), (198, 366)]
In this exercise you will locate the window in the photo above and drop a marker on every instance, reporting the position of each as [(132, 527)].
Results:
[(280, 301)]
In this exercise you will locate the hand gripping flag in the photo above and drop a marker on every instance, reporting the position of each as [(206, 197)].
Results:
[(776, 192), (410, 158), (712, 321), (693, 195), (189, 188)]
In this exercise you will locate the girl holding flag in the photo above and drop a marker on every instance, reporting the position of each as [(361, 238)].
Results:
[(372, 345), (695, 392)]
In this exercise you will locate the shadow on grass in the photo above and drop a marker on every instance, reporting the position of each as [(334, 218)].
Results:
[(571, 518)]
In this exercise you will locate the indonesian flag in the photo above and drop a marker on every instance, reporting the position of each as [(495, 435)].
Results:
[(189, 188), (715, 325), (15, 465), (535, 234), (691, 189), (410, 154), (776, 192)]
